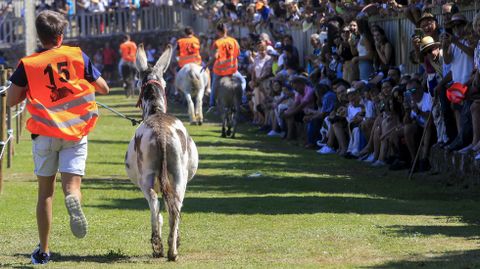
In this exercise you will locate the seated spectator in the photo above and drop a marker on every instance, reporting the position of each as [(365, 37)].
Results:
[(417, 120), (314, 118), (304, 99)]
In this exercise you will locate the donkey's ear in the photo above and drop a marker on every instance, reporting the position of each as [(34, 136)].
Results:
[(164, 61), (141, 62)]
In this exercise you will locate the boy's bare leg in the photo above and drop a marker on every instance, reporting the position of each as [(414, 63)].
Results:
[(46, 187)]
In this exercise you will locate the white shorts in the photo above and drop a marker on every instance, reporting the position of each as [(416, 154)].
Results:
[(51, 155)]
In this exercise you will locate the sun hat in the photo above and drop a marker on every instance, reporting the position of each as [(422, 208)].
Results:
[(457, 19), (427, 42), (426, 16)]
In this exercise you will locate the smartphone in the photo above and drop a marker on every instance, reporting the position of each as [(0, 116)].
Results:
[(419, 32)]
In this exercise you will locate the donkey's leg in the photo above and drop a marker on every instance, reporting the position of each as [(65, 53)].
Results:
[(234, 121), (191, 111), (155, 215), (174, 204), (199, 108), (224, 121)]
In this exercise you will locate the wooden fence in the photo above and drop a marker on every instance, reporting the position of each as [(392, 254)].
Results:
[(11, 123)]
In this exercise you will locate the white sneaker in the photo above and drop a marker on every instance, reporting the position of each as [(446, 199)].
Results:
[(370, 158), (326, 150), (78, 222), (273, 133)]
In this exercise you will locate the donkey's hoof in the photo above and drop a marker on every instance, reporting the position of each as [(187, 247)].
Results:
[(158, 254), (229, 132), (223, 135), (172, 257), (200, 123)]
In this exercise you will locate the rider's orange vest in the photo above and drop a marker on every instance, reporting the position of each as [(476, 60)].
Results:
[(188, 51), (226, 62), (129, 51), (60, 101)]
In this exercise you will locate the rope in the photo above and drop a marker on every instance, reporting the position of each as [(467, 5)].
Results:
[(20, 109), (134, 121), (3, 144)]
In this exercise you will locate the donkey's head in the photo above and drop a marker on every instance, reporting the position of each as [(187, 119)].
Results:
[(152, 97)]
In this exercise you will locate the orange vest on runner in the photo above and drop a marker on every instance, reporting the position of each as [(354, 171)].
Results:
[(60, 101), (189, 51), (129, 51), (226, 62)]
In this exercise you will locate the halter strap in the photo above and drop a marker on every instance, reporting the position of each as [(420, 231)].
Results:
[(145, 84)]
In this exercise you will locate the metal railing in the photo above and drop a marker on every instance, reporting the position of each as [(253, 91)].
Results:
[(87, 25)]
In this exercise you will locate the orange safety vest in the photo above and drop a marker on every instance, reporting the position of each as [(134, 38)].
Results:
[(188, 51), (60, 101), (227, 54), (129, 51)]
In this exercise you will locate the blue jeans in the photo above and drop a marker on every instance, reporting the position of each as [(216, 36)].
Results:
[(214, 82), (365, 69)]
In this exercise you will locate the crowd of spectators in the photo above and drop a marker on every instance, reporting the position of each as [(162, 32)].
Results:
[(350, 97)]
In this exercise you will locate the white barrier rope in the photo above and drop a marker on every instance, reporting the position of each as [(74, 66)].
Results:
[(20, 109), (3, 144)]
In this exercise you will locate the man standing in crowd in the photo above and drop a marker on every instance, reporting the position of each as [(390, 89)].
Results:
[(458, 52), (225, 51), (188, 49), (128, 50), (60, 84)]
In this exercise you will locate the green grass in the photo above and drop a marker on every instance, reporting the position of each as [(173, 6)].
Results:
[(305, 210)]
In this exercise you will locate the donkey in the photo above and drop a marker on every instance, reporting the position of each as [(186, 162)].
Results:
[(193, 83), (161, 156), (228, 95)]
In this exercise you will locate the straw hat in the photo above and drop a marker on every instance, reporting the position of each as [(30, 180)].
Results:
[(427, 42), (426, 16)]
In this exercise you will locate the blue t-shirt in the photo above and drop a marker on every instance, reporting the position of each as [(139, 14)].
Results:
[(328, 102), (19, 77)]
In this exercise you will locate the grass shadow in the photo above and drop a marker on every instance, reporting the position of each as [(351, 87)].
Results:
[(452, 259)]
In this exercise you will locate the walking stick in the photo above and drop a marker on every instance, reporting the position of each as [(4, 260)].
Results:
[(410, 173)]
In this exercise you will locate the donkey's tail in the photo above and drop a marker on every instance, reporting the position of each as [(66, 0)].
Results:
[(195, 78), (168, 191)]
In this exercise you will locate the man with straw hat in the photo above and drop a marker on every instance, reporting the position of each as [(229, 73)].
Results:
[(433, 61)]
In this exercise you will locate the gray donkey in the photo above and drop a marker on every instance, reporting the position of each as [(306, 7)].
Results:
[(161, 156), (228, 95)]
